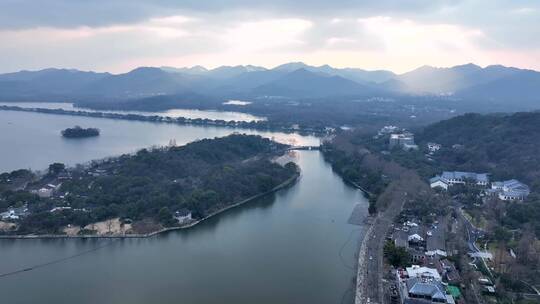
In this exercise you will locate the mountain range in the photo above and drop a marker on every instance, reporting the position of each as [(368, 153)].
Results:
[(291, 80)]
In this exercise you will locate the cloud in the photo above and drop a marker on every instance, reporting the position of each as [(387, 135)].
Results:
[(116, 35), (16, 14), (524, 10), (169, 39), (506, 23), (340, 34), (104, 48), (185, 40)]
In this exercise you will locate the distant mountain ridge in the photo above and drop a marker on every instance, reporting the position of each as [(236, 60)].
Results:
[(304, 83), (521, 85), (219, 72), (354, 74), (141, 82), (48, 82), (467, 80), (292, 80)]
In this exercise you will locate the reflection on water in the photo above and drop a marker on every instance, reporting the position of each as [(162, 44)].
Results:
[(292, 247), (187, 113), (33, 140)]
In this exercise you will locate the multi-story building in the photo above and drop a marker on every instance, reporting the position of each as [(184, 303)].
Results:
[(404, 140), (510, 190), (449, 178)]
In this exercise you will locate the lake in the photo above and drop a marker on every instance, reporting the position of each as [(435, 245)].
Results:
[(33, 140), (291, 247), (187, 113)]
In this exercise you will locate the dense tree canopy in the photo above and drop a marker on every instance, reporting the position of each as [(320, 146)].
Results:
[(397, 256), (78, 132), (505, 145), (202, 177)]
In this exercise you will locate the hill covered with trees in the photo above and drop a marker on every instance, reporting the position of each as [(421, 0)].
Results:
[(506, 146), (200, 178)]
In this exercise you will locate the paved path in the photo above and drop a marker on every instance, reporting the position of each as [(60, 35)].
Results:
[(472, 235), (369, 281)]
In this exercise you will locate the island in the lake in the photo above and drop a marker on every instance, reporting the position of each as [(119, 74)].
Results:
[(144, 193), (79, 132)]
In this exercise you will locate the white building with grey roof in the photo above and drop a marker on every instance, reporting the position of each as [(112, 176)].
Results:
[(404, 140), (424, 290), (510, 190), (449, 178)]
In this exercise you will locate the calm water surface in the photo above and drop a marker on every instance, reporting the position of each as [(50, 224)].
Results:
[(187, 113), (292, 247), (33, 140)]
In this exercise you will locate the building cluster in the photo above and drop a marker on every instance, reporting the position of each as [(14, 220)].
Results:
[(15, 213), (404, 140), (432, 278), (509, 190), (47, 188), (421, 241), (397, 137), (46, 191)]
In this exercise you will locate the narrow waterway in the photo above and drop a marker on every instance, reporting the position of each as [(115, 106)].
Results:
[(292, 247)]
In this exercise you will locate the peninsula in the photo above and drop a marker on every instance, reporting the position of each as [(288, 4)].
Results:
[(143, 193)]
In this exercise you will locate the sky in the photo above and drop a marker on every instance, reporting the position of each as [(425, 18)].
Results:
[(397, 35)]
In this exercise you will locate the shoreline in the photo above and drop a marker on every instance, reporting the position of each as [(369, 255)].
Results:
[(261, 125), (283, 185), (361, 270)]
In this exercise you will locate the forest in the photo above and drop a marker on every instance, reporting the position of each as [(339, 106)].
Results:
[(202, 177), (506, 145)]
